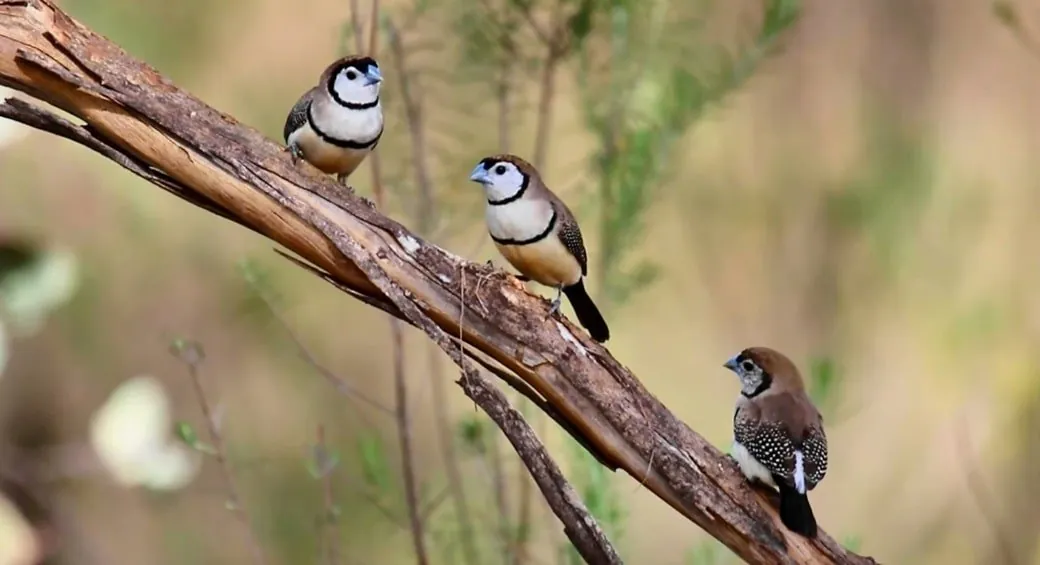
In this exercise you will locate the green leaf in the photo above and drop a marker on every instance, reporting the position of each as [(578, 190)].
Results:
[(473, 433), (188, 351), (186, 433), (374, 466), (823, 379), (580, 22)]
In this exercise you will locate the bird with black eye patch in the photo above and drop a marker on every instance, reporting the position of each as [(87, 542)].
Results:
[(536, 232), (336, 124), (778, 437)]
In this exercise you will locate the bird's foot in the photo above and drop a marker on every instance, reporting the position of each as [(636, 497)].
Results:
[(554, 306), (295, 153)]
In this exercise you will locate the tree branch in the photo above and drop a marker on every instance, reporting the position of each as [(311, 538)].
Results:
[(210, 156)]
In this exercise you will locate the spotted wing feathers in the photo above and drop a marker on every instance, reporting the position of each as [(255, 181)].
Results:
[(298, 115), (814, 448), (773, 445), (570, 235)]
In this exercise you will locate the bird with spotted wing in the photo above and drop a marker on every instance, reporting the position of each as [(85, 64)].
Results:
[(337, 123), (536, 232), (778, 433)]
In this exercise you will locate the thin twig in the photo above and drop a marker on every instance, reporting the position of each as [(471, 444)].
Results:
[(982, 497), (505, 88), (355, 23), (330, 517), (590, 541), (373, 29), (404, 424), (340, 384), (516, 383), (498, 486), (545, 37), (545, 105), (546, 98), (404, 435), (426, 214), (192, 355)]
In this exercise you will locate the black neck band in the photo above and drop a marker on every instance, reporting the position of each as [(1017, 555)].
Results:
[(516, 196), (545, 233), (344, 143), (767, 381)]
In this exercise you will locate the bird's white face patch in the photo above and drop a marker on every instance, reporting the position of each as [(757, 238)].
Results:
[(355, 87), (750, 466), (503, 180), (749, 373)]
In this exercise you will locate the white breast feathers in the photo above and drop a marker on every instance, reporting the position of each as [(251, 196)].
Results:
[(346, 124), (520, 220)]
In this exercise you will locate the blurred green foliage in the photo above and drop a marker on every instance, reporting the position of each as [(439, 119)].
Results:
[(640, 102)]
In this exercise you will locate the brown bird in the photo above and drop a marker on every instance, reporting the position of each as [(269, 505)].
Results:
[(778, 433), (536, 232), (336, 124)]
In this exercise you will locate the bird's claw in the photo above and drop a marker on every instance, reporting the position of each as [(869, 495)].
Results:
[(295, 154), (554, 307)]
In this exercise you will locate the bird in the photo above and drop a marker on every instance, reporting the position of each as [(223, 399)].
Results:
[(337, 123), (536, 232), (778, 433)]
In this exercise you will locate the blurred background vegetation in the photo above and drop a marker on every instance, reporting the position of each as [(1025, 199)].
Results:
[(847, 182)]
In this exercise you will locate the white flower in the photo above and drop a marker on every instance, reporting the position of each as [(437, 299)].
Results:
[(18, 542), (131, 435), (29, 294)]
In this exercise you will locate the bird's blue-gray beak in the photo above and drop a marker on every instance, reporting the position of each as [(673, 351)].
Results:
[(374, 75), (732, 364), (479, 174)]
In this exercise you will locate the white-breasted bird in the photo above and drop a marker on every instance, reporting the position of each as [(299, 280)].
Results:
[(336, 124), (536, 232), (778, 433)]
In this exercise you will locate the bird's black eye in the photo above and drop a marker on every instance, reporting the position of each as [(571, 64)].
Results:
[(500, 170), (747, 365), (351, 75)]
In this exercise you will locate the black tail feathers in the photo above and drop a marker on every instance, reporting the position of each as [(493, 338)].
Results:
[(588, 314), (795, 511)]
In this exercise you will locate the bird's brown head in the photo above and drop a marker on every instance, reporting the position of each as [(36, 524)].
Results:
[(504, 177), (353, 81), (762, 370)]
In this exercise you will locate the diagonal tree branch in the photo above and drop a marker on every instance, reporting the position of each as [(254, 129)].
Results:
[(128, 107)]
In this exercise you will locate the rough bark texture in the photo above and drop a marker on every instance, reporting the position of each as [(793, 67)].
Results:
[(136, 117)]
